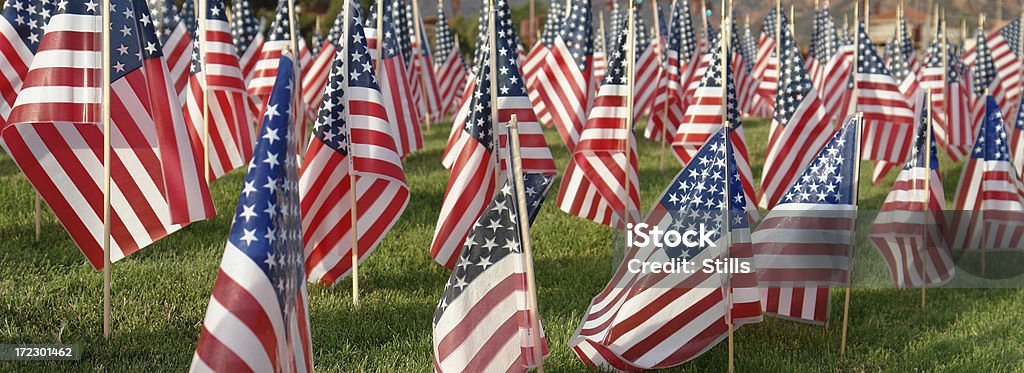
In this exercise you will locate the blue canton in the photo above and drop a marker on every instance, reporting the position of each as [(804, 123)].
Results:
[(576, 33), (991, 144), (244, 26), (984, 66), (829, 178), (794, 81), (29, 17)]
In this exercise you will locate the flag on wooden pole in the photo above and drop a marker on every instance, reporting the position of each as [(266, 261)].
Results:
[(351, 137), (258, 316)]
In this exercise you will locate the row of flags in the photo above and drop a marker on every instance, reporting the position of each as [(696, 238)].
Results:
[(305, 220)]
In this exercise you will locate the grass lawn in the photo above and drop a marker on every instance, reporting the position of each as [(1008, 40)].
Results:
[(50, 294)]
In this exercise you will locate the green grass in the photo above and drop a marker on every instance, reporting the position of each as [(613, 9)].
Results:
[(50, 294)]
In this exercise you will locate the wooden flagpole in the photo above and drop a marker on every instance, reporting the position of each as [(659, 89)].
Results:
[(417, 25), (778, 33), (852, 106), (380, 37), (704, 20), (663, 47), (201, 34), (927, 179), (105, 118), (300, 106), (724, 65), (524, 230), (352, 180), (39, 215), (853, 230), (533, 17), (493, 67), (626, 145), (981, 218)]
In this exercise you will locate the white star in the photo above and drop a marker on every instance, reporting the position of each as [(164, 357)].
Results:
[(248, 212), (271, 135), (271, 160), (248, 236), (271, 112)]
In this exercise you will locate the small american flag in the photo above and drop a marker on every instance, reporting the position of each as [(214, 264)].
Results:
[(989, 201), (472, 179), (595, 181), (659, 320), (647, 67), (486, 296), (906, 78), (888, 117), (351, 136), (1017, 142), (910, 229), (950, 99), (766, 70), (600, 56), (177, 43), (669, 103), (451, 69), (837, 57), (55, 136), (799, 128), (424, 85), (23, 22), (824, 45), (258, 317), (395, 81), (805, 244), (315, 79), (703, 119), (247, 34), (264, 73), (1002, 45), (188, 17), (566, 83), (985, 80), (231, 134), (535, 60)]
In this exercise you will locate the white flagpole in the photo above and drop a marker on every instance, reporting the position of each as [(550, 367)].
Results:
[(105, 118), (423, 68), (201, 34), (853, 230), (524, 230)]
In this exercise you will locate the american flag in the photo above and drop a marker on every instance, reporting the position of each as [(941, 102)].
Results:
[(888, 117), (1002, 45), (989, 202), (600, 56), (424, 84), (799, 128), (837, 56), (618, 19), (985, 80), (745, 87), (451, 69), (817, 41), (351, 136), (318, 41), (594, 185), (902, 72), (394, 82), (905, 45), (315, 79), (176, 41), (566, 83), (766, 70), (703, 119), (472, 180), (231, 135), (258, 317), (188, 17), (55, 133), (658, 320), (486, 296), (824, 45), (1017, 142), (264, 73), (535, 60), (805, 244), (680, 53), (752, 101), (22, 28), (909, 231), (950, 99), (647, 67), (247, 33)]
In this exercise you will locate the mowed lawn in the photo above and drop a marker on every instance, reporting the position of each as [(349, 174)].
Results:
[(48, 292)]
